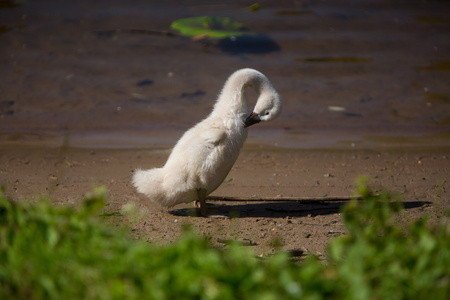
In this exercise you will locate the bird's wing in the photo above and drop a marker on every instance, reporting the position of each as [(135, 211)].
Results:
[(194, 156), (214, 137)]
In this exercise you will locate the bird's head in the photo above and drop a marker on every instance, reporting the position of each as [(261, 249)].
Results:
[(267, 108)]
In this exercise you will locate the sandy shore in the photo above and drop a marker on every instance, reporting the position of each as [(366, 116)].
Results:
[(261, 173)]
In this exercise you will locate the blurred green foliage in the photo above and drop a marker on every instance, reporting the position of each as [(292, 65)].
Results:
[(380, 259), (51, 252)]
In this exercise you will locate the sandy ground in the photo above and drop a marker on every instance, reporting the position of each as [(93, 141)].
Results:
[(277, 176)]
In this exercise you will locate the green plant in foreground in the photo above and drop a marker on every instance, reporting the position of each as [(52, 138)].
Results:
[(378, 259), (49, 252)]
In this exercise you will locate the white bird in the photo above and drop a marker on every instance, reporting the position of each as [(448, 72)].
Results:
[(205, 154)]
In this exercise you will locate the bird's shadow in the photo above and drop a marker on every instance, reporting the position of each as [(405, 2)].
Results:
[(276, 209)]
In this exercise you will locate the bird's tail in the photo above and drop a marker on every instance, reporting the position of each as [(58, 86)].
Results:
[(149, 182)]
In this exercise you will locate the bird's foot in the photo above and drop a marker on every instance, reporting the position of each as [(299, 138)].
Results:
[(202, 206)]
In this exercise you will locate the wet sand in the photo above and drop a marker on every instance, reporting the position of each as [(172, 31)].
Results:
[(277, 176)]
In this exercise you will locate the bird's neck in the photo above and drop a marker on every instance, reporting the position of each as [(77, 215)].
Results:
[(232, 99)]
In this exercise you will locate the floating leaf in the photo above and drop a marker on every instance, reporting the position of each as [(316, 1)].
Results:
[(342, 59), (254, 7), (294, 12), (4, 29), (443, 65), (211, 27), (437, 97), (427, 19)]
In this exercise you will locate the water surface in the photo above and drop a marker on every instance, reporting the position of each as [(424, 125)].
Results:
[(107, 74)]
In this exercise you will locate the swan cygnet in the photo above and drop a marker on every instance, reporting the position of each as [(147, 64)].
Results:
[(204, 155)]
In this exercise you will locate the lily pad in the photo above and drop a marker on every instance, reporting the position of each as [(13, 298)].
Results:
[(211, 27)]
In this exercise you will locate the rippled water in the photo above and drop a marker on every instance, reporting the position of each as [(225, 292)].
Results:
[(107, 74)]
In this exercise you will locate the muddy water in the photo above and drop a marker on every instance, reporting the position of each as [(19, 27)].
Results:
[(107, 74)]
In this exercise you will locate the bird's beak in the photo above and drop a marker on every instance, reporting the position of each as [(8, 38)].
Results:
[(253, 118)]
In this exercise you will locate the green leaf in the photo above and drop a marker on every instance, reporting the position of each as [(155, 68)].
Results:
[(254, 7), (211, 27)]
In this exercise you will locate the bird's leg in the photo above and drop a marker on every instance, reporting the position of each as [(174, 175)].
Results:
[(200, 202)]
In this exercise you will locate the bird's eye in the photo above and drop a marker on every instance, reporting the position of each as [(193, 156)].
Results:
[(267, 112)]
